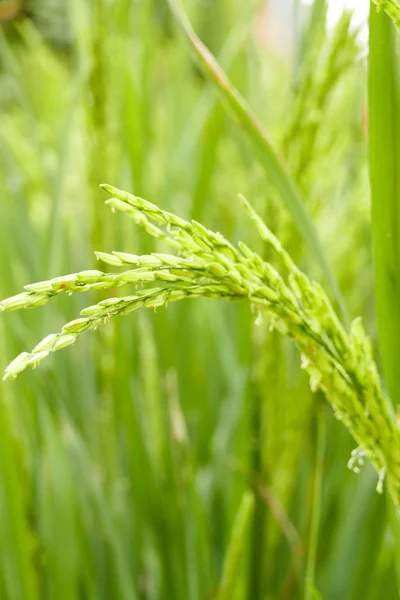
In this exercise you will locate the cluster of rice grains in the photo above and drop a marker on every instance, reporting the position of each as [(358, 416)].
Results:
[(207, 265)]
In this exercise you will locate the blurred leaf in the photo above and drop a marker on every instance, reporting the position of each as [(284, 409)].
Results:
[(273, 164), (384, 165)]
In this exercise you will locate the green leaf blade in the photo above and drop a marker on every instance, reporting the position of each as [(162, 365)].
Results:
[(384, 165), (268, 156)]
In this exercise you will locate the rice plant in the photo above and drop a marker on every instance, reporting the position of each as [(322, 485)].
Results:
[(187, 451)]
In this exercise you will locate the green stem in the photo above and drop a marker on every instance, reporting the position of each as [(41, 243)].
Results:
[(316, 504), (384, 168), (259, 519), (97, 117), (394, 523)]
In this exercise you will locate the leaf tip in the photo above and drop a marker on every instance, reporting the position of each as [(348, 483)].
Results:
[(245, 203)]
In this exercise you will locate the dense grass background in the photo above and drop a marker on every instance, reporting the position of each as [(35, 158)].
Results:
[(180, 454)]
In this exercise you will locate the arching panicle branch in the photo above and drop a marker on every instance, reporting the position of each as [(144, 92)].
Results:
[(338, 363)]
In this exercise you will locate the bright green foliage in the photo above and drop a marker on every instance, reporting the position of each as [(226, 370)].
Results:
[(341, 366), (269, 158), (391, 8), (179, 453), (324, 64), (228, 587), (384, 158)]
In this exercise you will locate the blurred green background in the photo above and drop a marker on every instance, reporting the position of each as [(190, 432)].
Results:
[(177, 455)]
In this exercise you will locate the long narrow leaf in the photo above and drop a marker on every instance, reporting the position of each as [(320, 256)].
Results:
[(384, 157), (268, 156)]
